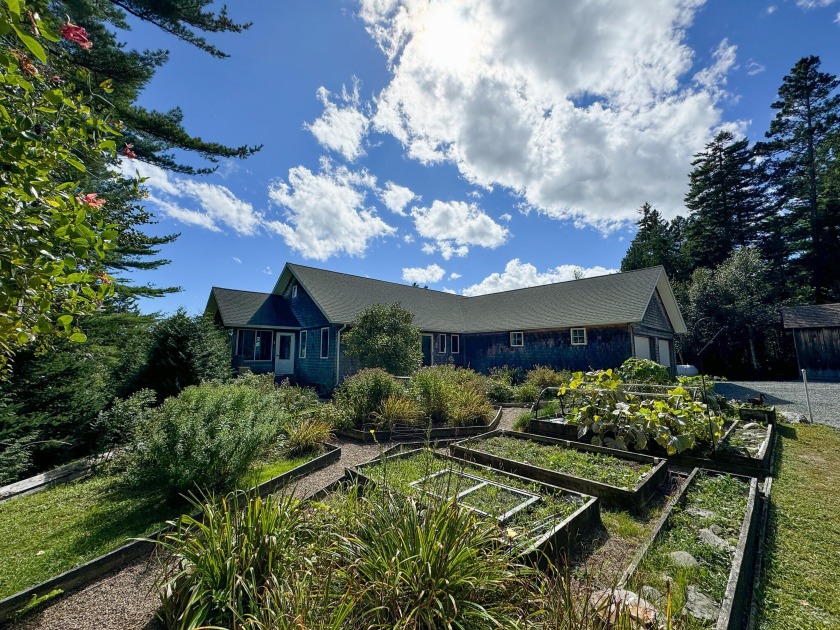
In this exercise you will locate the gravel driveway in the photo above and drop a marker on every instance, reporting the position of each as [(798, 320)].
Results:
[(790, 396)]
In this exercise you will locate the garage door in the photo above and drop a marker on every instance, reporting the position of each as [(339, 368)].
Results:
[(642, 345), (665, 352)]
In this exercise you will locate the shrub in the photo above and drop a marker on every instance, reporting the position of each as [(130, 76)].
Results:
[(118, 424), (439, 567), (523, 421), (207, 437), (362, 394), (385, 337), (527, 393), (434, 388), (542, 377), (506, 374), (306, 436), (635, 370), (225, 559), (500, 392)]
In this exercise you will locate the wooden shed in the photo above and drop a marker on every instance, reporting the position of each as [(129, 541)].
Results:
[(816, 336)]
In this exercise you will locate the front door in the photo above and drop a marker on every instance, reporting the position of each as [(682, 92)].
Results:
[(284, 354), (426, 346)]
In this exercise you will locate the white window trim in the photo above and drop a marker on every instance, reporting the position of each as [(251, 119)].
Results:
[(517, 345), (572, 337), (441, 337), (452, 344), (294, 291), (321, 343), (302, 348)]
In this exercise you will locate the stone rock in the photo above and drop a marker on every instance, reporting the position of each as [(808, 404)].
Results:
[(700, 512), (713, 540), (793, 417), (717, 529), (651, 594), (699, 606), (683, 559), (751, 425), (613, 603)]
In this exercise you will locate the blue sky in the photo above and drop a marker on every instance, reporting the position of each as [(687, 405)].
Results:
[(472, 146)]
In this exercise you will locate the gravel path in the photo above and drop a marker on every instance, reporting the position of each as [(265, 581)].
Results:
[(790, 396)]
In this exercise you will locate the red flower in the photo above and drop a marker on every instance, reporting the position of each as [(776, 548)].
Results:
[(75, 33), (90, 200), (127, 151)]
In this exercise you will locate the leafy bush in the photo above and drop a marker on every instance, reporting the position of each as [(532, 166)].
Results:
[(306, 436), (362, 394), (14, 461), (527, 393), (184, 351), (500, 392), (221, 563), (118, 424), (542, 377), (523, 421), (470, 408), (635, 370), (385, 337), (207, 437), (434, 388), (507, 375)]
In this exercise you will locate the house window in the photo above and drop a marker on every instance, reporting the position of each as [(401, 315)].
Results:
[(302, 350), (325, 343), (455, 345), (578, 336), (517, 339), (254, 345), (441, 343), (294, 291)]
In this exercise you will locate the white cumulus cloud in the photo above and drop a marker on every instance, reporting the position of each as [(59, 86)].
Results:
[(212, 206), (584, 112), (326, 212), (423, 275), (457, 225), (396, 197), (518, 275), (454, 276), (341, 128)]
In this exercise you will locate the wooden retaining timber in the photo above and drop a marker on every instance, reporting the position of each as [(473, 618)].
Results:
[(634, 498), (418, 434), (551, 546), (739, 587), (58, 475), (752, 414), (96, 568)]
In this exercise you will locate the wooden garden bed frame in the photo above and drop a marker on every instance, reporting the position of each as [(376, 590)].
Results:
[(635, 498), (552, 545), (418, 434), (96, 568)]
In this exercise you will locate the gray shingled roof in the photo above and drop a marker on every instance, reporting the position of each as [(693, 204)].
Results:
[(816, 316), (247, 308), (612, 299)]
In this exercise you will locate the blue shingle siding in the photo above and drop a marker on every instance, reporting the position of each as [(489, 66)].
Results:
[(439, 358), (605, 348), (655, 319), (304, 307)]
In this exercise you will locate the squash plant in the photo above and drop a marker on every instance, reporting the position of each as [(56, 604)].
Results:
[(623, 420)]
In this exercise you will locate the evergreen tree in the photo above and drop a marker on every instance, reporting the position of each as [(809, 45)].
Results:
[(654, 244), (801, 168), (725, 199)]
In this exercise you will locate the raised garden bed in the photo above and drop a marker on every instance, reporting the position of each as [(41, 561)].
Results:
[(757, 414), (540, 529), (740, 451), (420, 434), (143, 518), (704, 546), (618, 478)]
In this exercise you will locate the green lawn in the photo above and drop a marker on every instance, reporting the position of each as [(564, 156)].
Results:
[(801, 578), (47, 533)]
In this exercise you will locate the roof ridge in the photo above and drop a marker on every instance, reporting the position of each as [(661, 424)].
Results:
[(243, 291), (398, 284)]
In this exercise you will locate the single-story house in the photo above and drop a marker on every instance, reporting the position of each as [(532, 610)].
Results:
[(816, 337), (598, 322)]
